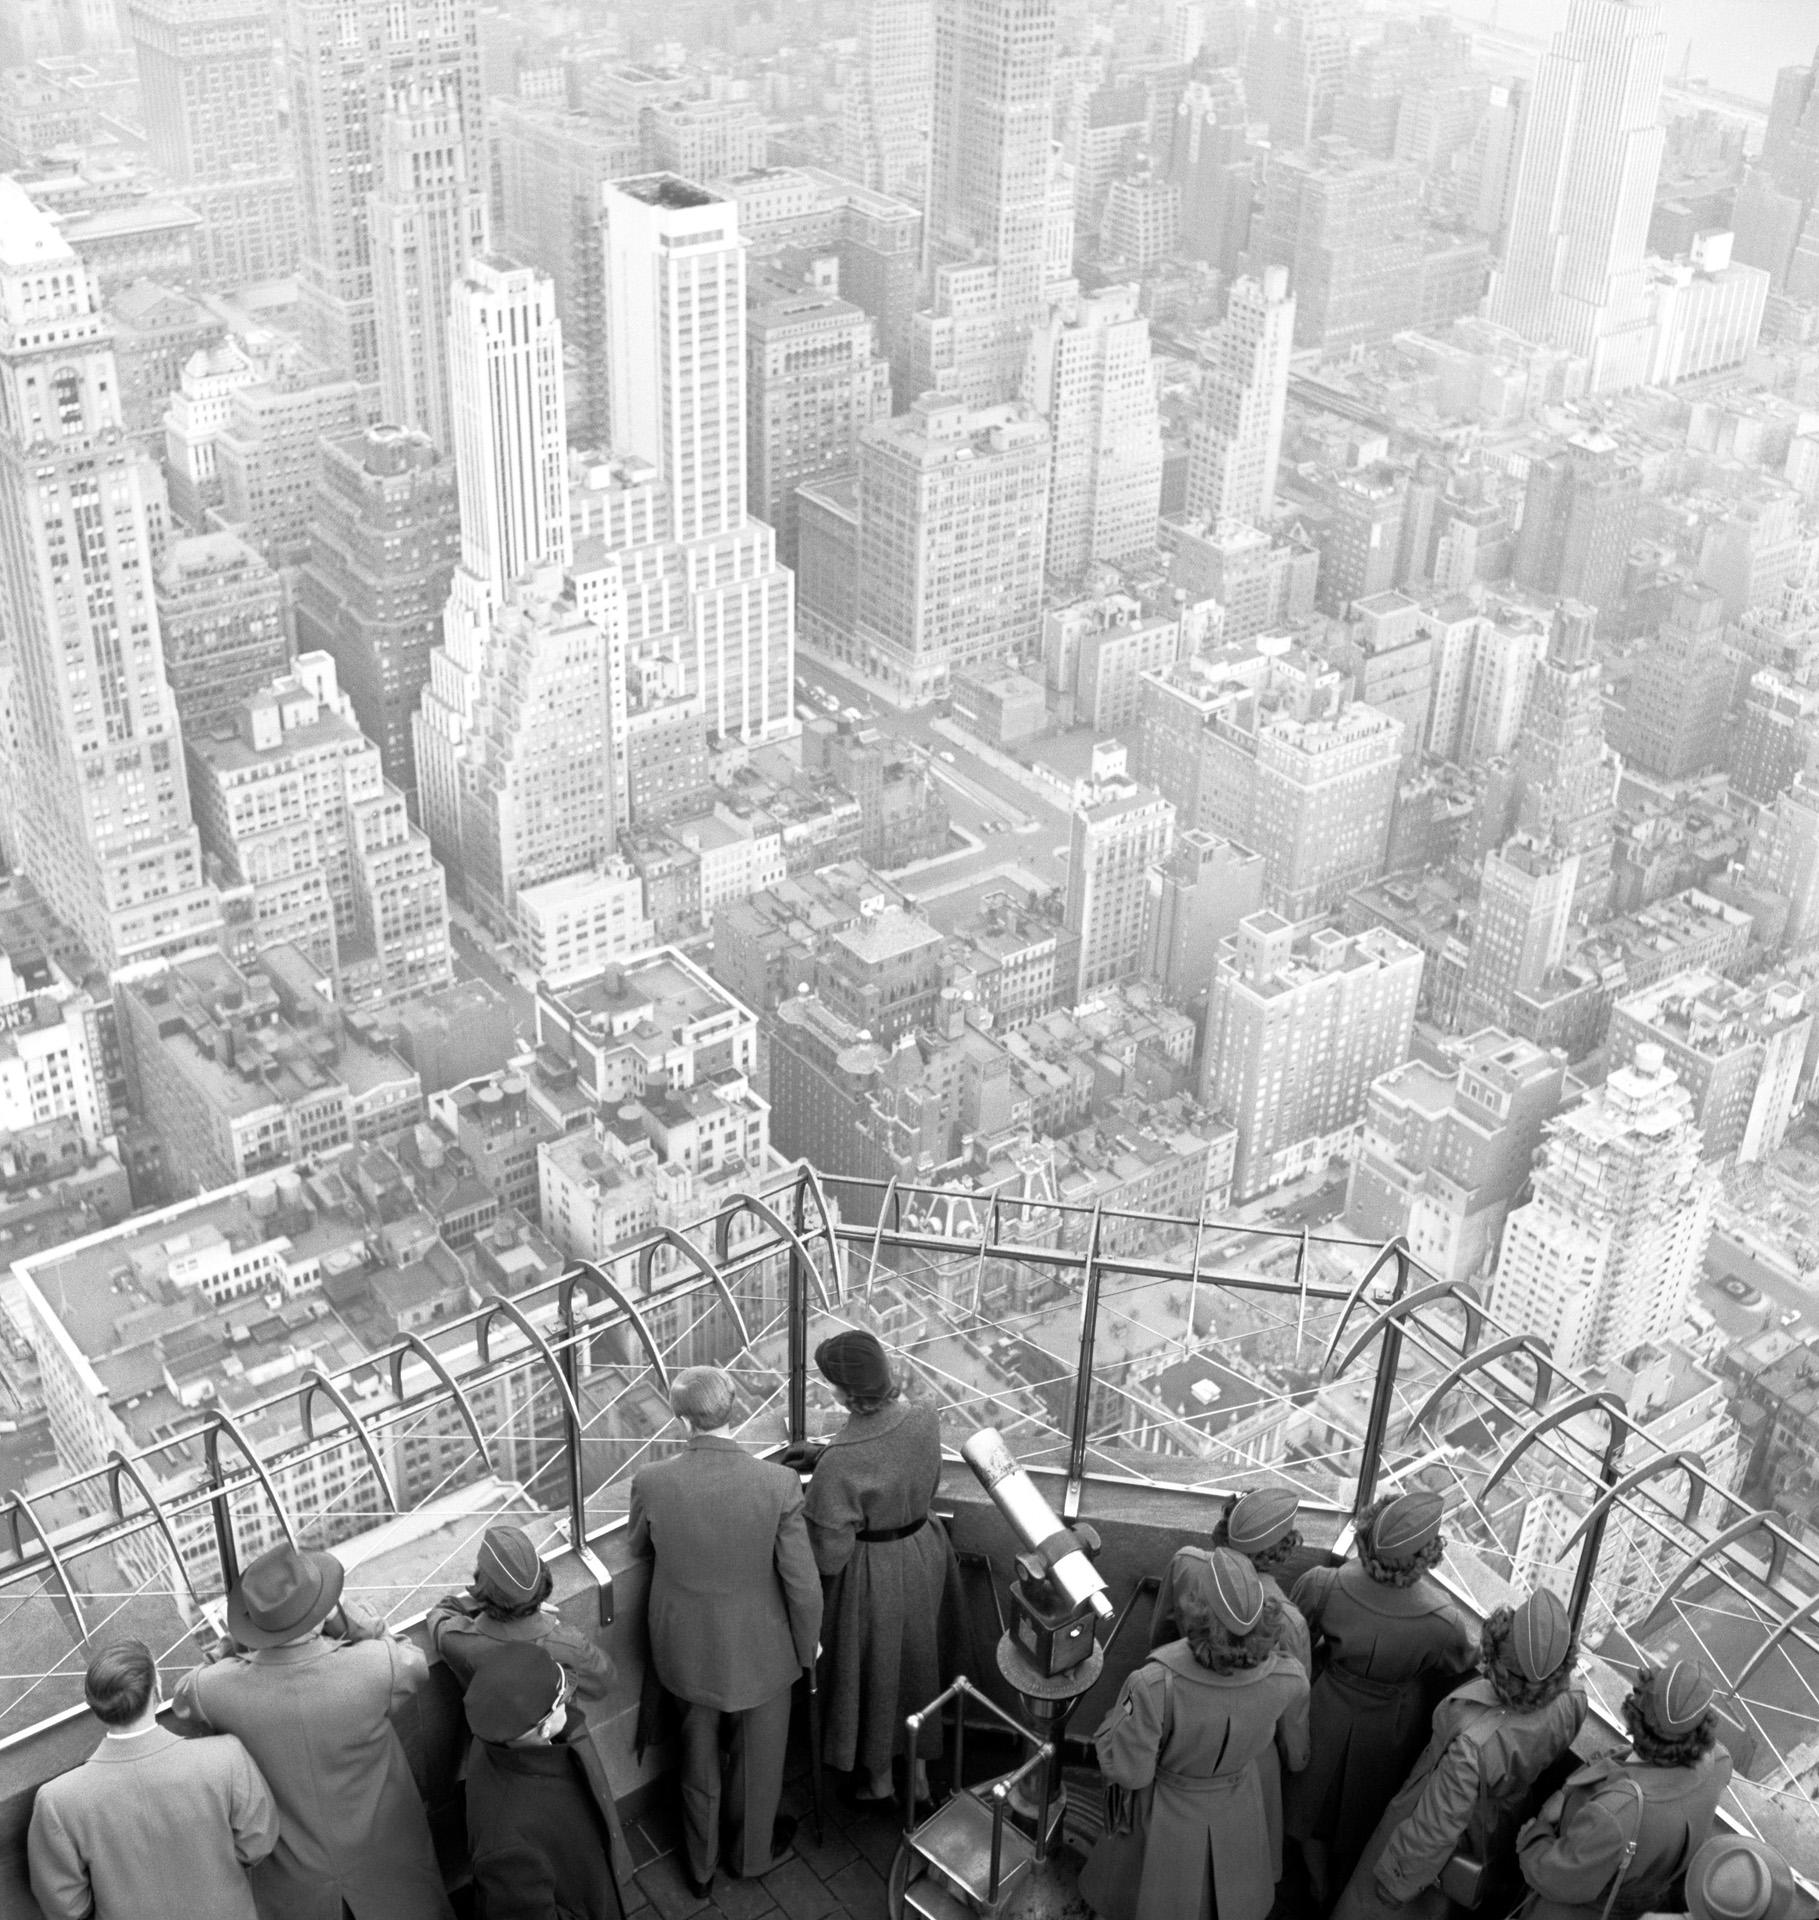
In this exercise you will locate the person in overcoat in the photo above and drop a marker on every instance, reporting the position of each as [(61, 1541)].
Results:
[(310, 1697), (1387, 1644), (735, 1616), (1181, 1748), (887, 1564), (150, 1826), (1662, 1793), (1493, 1739), (1261, 1526), (537, 1796)]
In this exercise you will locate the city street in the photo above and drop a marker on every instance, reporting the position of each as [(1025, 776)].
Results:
[(474, 960)]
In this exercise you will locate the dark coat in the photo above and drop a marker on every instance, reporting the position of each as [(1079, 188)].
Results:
[(1186, 1742), (538, 1830), (316, 1719), (1470, 1789), (1571, 1850), (1165, 1625), (889, 1622), (1383, 1657), (735, 1601), (152, 1828)]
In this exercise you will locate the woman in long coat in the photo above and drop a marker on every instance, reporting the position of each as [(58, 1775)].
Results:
[(886, 1563), (1663, 1794), (1493, 1739), (1182, 1745), (1261, 1526), (1387, 1644)]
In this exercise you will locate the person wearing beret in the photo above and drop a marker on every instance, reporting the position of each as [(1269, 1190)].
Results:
[(1731, 1878), (734, 1616), (887, 1563), (1180, 1751), (1261, 1526), (1493, 1739), (538, 1829), (1387, 1644), (1662, 1794), (310, 1696)]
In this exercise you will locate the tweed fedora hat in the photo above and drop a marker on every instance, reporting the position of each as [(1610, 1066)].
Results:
[(1731, 1878), (283, 1595)]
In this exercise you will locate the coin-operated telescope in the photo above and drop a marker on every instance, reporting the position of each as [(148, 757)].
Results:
[(1057, 1598)]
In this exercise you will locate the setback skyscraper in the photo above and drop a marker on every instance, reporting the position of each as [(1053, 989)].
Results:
[(1236, 447)]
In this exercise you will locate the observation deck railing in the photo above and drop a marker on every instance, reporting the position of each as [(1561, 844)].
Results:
[(1140, 1363)]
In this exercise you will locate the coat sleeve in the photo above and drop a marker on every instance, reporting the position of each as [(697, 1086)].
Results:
[(797, 1574), (1572, 1858), (833, 1513), (1310, 1596), (592, 1667), (409, 1670), (1130, 1736), (186, 1705), (251, 1810), (1292, 1732), (1460, 1652), (1422, 1844), (59, 1873), (638, 1524)]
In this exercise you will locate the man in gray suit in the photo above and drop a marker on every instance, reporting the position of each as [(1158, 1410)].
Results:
[(311, 1698), (735, 1615), (149, 1827)]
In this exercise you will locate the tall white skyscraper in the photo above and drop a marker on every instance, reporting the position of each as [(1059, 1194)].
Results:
[(1090, 372), (708, 590), (510, 430), (1236, 445), (428, 220), (93, 777), (1607, 1252), (884, 127), (1572, 272)]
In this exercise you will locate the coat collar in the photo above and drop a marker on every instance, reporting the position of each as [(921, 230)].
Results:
[(118, 1753), (711, 1443), (861, 1427), (298, 1653)]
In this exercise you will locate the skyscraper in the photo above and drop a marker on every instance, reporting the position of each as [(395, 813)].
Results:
[(1111, 849), (1295, 69), (93, 776), (1525, 902), (1606, 1253), (1236, 445), (1578, 518), (1572, 272), (884, 130), (428, 219), (1090, 374), (221, 614), (205, 75), (675, 335), (346, 65)]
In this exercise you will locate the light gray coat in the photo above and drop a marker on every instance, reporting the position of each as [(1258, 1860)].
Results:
[(152, 1828)]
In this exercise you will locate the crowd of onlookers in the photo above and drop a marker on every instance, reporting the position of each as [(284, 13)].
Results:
[(1355, 1729)]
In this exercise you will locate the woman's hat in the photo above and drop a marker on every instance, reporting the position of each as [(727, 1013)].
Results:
[(1730, 1878), (283, 1595), (1260, 1520), (1222, 1585), (508, 1569), (855, 1362), (1408, 1523), (1673, 1700), (1540, 1634), (515, 1689)]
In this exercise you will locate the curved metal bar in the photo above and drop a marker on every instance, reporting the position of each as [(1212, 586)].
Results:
[(1729, 1536), (750, 1203), (891, 1199), (1606, 1403), (21, 1508), (1497, 1350), (1396, 1249), (540, 1348), (1783, 1627), (1401, 1309), (1682, 1461), (808, 1180), (220, 1421), (119, 1463), (414, 1344), (315, 1382), (620, 1299)]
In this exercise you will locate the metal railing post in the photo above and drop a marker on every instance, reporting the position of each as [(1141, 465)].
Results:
[(1587, 1568), (1083, 1379), (797, 1416), (1383, 1394)]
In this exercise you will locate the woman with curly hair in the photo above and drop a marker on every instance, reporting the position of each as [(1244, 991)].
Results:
[(1660, 1796), (1180, 1752), (1493, 1739), (887, 1567), (1387, 1644), (1261, 1526)]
